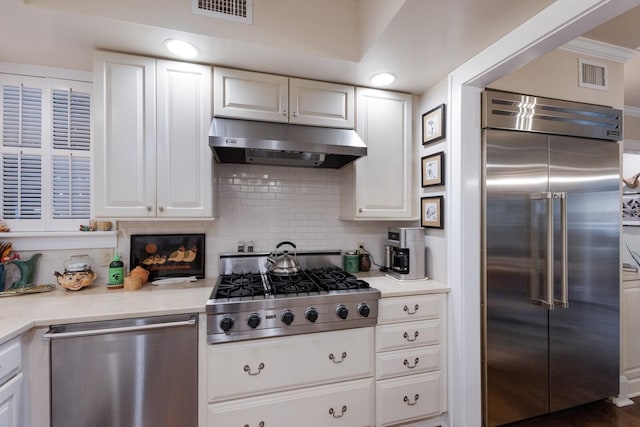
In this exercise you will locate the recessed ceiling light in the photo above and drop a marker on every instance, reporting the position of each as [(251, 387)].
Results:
[(383, 79), (181, 48)]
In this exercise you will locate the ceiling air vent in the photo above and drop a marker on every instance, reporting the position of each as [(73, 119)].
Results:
[(231, 10), (593, 75)]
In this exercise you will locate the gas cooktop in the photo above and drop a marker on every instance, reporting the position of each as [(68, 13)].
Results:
[(250, 302)]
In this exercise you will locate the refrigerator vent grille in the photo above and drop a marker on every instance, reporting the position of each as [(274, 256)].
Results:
[(230, 10), (593, 75), (511, 111)]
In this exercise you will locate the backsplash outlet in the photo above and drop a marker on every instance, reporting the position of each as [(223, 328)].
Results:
[(106, 256)]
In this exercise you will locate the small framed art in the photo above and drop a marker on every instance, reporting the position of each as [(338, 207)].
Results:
[(433, 124), (433, 169), (431, 212)]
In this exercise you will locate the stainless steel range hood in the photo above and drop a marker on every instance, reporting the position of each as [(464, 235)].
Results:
[(245, 141)]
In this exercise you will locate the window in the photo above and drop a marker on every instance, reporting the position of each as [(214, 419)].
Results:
[(45, 153)]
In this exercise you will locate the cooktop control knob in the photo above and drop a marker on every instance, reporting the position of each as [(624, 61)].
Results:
[(226, 323), (363, 309), (287, 317), (311, 315), (253, 320), (342, 311)]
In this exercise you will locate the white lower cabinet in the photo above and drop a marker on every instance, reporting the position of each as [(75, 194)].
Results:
[(411, 368), (319, 379), (11, 379), (348, 404), (408, 398)]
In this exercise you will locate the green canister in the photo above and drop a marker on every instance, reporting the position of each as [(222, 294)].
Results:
[(351, 262)]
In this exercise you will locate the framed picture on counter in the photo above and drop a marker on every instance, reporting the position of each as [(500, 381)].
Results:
[(168, 255), (433, 170), (431, 212), (433, 125)]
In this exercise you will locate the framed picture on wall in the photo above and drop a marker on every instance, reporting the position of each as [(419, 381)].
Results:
[(433, 124), (631, 209), (433, 169), (431, 212)]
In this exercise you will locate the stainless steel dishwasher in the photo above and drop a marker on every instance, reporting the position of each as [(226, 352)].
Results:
[(134, 372)]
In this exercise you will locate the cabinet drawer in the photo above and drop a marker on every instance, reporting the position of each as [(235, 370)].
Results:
[(402, 309), (348, 404), (407, 361), (407, 398), (9, 359), (407, 335), (254, 367)]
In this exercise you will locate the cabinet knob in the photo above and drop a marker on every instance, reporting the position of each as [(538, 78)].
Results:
[(284, 112), (149, 208), (161, 208), (360, 210), (294, 114)]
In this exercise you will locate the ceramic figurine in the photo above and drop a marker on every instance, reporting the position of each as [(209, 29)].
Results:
[(77, 274)]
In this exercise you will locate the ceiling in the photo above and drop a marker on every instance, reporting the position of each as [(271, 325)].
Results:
[(336, 40)]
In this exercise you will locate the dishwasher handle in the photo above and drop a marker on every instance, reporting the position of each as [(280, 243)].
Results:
[(50, 335)]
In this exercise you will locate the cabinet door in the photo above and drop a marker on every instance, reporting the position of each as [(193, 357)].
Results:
[(184, 159), (321, 104), (348, 404), (125, 136), (249, 95), (9, 402), (380, 185)]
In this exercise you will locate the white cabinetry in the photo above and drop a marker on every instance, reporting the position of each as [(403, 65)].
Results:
[(318, 379), (152, 122), (258, 96), (10, 384), (630, 318), (411, 360), (380, 185)]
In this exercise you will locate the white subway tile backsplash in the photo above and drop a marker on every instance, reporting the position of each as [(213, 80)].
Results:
[(265, 204)]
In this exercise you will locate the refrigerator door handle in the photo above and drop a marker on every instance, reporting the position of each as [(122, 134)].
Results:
[(549, 300), (564, 251)]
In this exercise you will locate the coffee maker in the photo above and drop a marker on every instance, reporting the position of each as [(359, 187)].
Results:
[(407, 259)]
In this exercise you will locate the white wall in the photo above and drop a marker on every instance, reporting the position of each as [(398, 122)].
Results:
[(436, 239)]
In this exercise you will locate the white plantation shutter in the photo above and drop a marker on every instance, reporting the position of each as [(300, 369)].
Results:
[(46, 153), (71, 120), (21, 186), (21, 116), (71, 187)]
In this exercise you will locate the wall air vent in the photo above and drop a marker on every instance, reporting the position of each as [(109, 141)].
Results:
[(593, 75), (230, 10)]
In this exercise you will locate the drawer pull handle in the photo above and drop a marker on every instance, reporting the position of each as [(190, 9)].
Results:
[(334, 360), (247, 369), (415, 400), (415, 363), (334, 414), (260, 424), (408, 338), (415, 309)]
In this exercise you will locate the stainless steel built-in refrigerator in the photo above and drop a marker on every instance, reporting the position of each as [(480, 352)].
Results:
[(551, 267)]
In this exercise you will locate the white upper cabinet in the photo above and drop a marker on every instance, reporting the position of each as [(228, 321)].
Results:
[(380, 185), (152, 154), (184, 159), (267, 97), (321, 104)]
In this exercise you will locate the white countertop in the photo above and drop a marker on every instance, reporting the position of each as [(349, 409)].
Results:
[(21, 313)]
